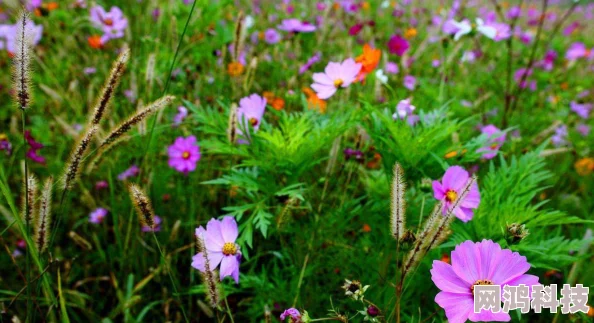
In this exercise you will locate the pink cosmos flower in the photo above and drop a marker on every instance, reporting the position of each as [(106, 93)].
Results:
[(480, 263), (496, 138), (184, 153), (335, 75), (271, 36), (392, 68), (291, 313), (97, 216), (219, 241), (450, 187), (296, 26), (130, 172), (576, 51), (112, 22), (409, 82), (182, 113), (398, 45), (249, 114), (581, 109)]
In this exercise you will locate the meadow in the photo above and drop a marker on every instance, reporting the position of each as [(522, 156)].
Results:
[(294, 161)]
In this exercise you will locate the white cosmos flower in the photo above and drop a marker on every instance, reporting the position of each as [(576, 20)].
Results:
[(464, 28), (383, 78)]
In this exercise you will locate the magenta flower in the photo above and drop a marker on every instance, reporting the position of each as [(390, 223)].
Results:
[(34, 147), (409, 82), (184, 153), (581, 109), (576, 51), (219, 242), (130, 172), (356, 29), (271, 36), (480, 263), (291, 313), (296, 26), (112, 22), (451, 186), (495, 140), (97, 216), (398, 45), (249, 114), (156, 228), (335, 75)]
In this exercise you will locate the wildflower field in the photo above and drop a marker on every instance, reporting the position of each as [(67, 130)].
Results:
[(296, 161)]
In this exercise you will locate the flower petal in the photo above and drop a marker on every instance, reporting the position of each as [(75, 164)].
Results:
[(229, 229), (229, 265), (446, 279), (466, 262), (457, 306)]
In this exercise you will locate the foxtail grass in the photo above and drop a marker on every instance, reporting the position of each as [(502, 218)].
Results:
[(111, 84), (44, 216), (76, 157), (398, 203)]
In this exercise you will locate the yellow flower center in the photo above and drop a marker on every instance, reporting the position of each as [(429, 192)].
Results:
[(451, 195), (338, 83), (253, 122), (186, 155), (494, 146), (229, 248), (480, 282)]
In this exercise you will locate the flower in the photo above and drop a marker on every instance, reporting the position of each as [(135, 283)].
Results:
[(464, 27), (112, 22), (451, 187), (410, 33), (277, 103), (392, 68), (219, 243), (249, 114), (335, 75), (560, 136), (96, 217), (271, 36), (100, 185), (8, 35), (95, 41), (235, 69), (5, 144), (409, 82), (583, 129), (403, 109), (495, 138), (582, 110), (398, 45), (157, 226), (313, 101), (368, 60), (130, 172), (480, 263), (296, 26), (34, 146), (314, 59), (584, 166), (381, 77), (184, 153), (354, 289), (182, 113), (291, 313), (356, 29), (548, 62), (576, 51)]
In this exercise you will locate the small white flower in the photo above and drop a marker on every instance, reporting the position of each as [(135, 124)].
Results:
[(248, 22), (385, 4), (488, 31), (464, 28), (383, 78)]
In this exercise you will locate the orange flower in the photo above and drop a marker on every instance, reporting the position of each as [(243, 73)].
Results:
[(308, 92), (95, 42), (369, 60), (278, 103), (445, 258), (315, 103), (564, 86), (584, 166), (591, 311), (365, 5), (366, 228), (451, 154), (235, 69), (375, 162), (269, 96), (410, 33), (52, 6)]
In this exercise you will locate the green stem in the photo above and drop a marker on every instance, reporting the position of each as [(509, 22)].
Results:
[(27, 225), (229, 310)]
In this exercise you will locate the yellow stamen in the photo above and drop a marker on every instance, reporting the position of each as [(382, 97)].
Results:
[(451, 195), (253, 122), (338, 83), (186, 155), (480, 282), (229, 248)]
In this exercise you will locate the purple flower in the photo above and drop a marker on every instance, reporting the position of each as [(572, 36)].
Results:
[(356, 29), (96, 217), (571, 28), (548, 62), (560, 136), (514, 12), (583, 129), (581, 109), (8, 35), (495, 139), (34, 146), (156, 228), (219, 242), (521, 76), (296, 26), (33, 4), (5, 144), (249, 114), (392, 68), (398, 45), (314, 59), (271, 36), (451, 187), (403, 109), (112, 22), (409, 82), (182, 113), (350, 152), (130, 172), (89, 70), (291, 313), (480, 263), (576, 51), (100, 185), (335, 75), (184, 153)]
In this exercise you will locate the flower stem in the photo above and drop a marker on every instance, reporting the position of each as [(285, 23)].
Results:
[(28, 224)]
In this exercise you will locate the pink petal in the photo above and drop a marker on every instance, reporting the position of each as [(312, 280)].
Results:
[(438, 191), (446, 279), (214, 238), (198, 261), (488, 316), (466, 262), (322, 79), (229, 229), (455, 178), (457, 306), (515, 266), (333, 70), (464, 214), (488, 251), (228, 265), (323, 91), (473, 198)]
